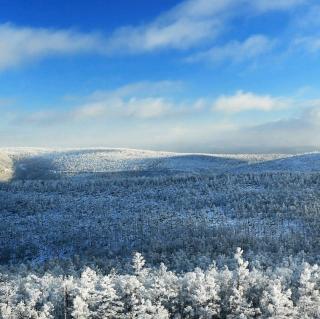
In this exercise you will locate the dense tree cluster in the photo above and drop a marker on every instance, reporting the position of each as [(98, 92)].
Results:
[(291, 290), (176, 219)]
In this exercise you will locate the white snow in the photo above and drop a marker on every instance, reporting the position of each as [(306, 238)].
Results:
[(39, 161)]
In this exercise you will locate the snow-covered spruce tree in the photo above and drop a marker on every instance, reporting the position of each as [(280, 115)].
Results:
[(80, 308), (84, 304), (26, 310), (138, 263), (51, 291), (239, 306), (32, 299), (131, 292), (108, 305), (7, 297), (199, 294), (276, 302), (136, 293), (163, 288), (309, 292)]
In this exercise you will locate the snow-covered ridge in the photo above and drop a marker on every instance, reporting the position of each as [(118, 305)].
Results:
[(40, 163)]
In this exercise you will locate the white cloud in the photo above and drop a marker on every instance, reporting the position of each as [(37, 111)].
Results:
[(181, 33), (148, 107), (246, 101), (90, 110), (166, 124), (236, 51), (186, 25), (141, 100), (19, 45), (191, 22), (300, 133), (139, 108)]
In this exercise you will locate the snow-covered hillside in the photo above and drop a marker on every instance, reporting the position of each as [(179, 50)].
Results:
[(309, 162), (52, 163), (183, 210)]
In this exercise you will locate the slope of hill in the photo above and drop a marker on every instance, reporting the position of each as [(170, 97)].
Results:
[(45, 163), (309, 162)]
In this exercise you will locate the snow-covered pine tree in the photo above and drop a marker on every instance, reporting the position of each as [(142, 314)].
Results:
[(276, 302), (7, 298), (46, 311), (163, 288), (84, 303), (132, 294), (80, 308), (309, 292), (108, 304), (200, 294), (138, 263), (239, 306)]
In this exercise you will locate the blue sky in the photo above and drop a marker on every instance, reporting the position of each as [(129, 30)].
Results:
[(193, 75)]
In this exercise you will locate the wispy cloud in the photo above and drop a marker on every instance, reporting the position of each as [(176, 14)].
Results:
[(141, 100), (187, 25), (236, 51), (107, 108), (126, 117), (180, 34), (184, 26), (20, 44), (192, 22), (148, 101), (139, 108), (297, 133), (247, 101)]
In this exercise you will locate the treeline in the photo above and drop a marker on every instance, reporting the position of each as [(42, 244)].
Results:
[(290, 290)]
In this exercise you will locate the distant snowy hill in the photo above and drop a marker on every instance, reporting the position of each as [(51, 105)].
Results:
[(309, 162), (31, 163)]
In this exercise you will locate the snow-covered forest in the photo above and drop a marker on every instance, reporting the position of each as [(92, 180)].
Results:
[(76, 226), (287, 291)]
